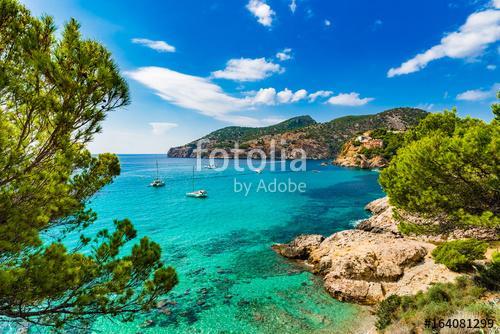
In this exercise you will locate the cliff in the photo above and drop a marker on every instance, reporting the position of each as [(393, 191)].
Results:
[(318, 140)]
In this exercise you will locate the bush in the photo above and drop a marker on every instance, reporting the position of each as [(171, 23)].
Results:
[(458, 255), (419, 229), (489, 276), (440, 301), (386, 310)]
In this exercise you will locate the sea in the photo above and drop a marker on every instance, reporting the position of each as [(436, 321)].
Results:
[(230, 280)]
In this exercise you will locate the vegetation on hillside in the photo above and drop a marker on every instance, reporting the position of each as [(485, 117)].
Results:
[(336, 132), (228, 135), (54, 94), (440, 302), (392, 141), (330, 135)]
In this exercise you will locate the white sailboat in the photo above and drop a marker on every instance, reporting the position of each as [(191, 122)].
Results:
[(157, 182), (197, 193)]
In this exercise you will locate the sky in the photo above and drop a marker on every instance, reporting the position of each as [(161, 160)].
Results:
[(194, 66)]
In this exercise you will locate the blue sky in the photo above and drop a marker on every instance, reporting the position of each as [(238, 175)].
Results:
[(196, 66)]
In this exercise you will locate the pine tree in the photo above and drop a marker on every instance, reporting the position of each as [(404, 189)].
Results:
[(54, 94)]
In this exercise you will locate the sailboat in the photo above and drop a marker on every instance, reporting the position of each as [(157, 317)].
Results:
[(157, 182), (198, 193)]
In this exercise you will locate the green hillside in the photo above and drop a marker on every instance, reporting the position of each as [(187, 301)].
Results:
[(241, 134)]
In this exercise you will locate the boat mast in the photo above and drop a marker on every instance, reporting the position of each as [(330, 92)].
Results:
[(157, 172), (193, 178)]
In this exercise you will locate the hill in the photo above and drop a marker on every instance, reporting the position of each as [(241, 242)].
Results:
[(318, 140)]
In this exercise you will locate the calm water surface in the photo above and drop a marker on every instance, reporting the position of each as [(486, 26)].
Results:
[(230, 279)]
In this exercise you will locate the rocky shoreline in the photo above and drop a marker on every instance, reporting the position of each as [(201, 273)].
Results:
[(367, 264)]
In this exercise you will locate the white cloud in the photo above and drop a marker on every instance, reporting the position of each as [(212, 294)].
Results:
[(202, 95), (285, 54), (350, 100), (189, 91), (265, 96), (480, 30), (319, 93), (293, 6), (478, 94), (160, 128), (496, 4), (492, 67), (299, 95), (327, 23), (246, 69), (285, 96), (159, 46), (262, 11)]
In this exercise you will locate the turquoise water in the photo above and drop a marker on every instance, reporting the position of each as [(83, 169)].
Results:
[(230, 279)]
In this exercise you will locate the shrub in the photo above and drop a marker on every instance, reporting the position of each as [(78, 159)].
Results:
[(489, 276), (386, 310), (418, 229), (458, 255), (440, 301)]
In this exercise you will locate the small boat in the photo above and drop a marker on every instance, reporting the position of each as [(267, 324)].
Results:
[(210, 166), (197, 193), (315, 171), (258, 171), (324, 164), (157, 182)]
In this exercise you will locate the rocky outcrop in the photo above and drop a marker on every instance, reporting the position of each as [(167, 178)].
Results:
[(301, 247), (366, 267), (352, 153)]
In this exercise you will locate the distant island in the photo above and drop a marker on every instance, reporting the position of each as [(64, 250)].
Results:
[(318, 140)]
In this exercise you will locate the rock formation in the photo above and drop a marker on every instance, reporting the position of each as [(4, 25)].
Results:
[(375, 260), (366, 267)]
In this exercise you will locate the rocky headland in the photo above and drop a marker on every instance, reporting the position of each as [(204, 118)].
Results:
[(367, 264)]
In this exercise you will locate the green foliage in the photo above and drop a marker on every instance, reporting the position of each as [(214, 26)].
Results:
[(488, 276), (458, 255), (407, 228), (335, 132), (495, 108), (392, 142), (440, 301), (54, 94), (449, 166), (228, 135), (386, 310)]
